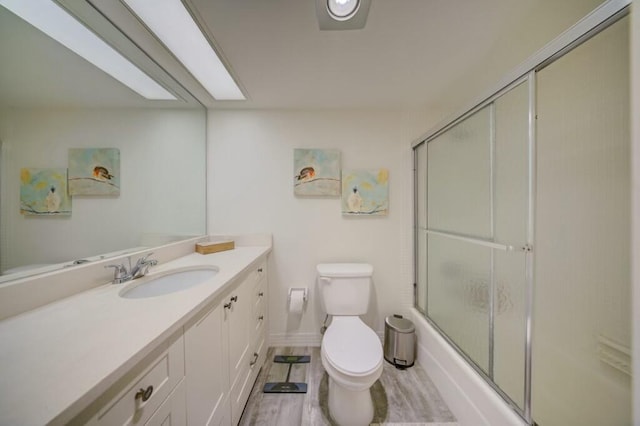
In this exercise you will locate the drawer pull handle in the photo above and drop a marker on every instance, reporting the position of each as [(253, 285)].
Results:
[(227, 305), (261, 294), (255, 359), (144, 394), (234, 299)]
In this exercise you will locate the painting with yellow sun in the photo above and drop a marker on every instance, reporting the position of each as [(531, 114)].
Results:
[(43, 192), (365, 192)]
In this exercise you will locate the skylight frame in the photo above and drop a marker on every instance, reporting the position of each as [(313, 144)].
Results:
[(174, 26)]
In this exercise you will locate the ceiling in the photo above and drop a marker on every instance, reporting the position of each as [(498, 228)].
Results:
[(410, 54)]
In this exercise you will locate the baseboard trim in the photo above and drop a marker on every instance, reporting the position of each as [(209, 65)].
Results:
[(294, 339), (302, 339)]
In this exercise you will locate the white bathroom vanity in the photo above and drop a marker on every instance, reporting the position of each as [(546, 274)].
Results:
[(99, 358)]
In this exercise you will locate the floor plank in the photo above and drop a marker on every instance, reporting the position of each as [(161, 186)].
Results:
[(401, 397)]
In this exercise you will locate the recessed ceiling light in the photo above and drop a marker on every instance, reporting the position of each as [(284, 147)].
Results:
[(342, 10), (55, 22), (173, 25), (336, 15)]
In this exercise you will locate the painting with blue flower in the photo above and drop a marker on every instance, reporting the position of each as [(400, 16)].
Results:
[(43, 192), (316, 172), (365, 192), (94, 171)]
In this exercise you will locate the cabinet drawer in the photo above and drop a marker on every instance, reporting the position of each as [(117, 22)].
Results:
[(259, 272), (259, 292), (158, 377), (173, 411), (259, 319)]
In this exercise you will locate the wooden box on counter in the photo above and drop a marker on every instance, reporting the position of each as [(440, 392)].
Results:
[(214, 246)]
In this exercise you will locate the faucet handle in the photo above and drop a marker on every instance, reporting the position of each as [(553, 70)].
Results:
[(144, 258), (120, 274)]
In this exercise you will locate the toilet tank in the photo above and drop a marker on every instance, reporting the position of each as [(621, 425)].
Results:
[(345, 287)]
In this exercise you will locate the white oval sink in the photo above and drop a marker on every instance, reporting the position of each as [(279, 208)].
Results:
[(169, 282)]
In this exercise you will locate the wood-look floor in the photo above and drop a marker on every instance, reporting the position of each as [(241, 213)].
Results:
[(401, 397)]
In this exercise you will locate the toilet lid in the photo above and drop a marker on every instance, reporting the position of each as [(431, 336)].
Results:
[(351, 346), (349, 270)]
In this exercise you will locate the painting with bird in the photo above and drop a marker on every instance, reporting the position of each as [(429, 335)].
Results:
[(94, 171), (316, 172)]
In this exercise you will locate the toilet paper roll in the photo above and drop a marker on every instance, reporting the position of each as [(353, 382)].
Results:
[(296, 301)]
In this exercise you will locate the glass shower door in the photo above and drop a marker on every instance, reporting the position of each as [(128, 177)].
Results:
[(473, 246)]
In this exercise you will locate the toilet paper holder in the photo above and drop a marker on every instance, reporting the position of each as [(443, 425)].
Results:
[(304, 295)]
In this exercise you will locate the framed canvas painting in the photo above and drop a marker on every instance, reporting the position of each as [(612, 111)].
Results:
[(316, 172), (365, 192), (43, 192), (94, 171)]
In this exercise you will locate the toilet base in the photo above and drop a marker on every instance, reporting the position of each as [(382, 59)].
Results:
[(350, 408)]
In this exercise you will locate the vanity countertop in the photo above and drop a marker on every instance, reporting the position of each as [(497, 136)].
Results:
[(56, 359)]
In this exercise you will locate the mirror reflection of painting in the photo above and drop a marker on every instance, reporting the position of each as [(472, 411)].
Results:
[(365, 192), (44, 192), (316, 172), (94, 171)]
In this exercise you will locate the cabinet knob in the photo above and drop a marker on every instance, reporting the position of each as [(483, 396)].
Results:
[(261, 317), (259, 269), (144, 394), (255, 359), (261, 294), (227, 305), (234, 299)]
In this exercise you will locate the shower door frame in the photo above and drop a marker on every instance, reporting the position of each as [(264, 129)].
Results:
[(601, 18)]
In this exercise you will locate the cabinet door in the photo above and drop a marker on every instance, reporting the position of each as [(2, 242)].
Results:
[(242, 387), (239, 320), (207, 368)]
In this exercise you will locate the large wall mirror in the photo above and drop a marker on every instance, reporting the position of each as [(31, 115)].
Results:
[(52, 100)]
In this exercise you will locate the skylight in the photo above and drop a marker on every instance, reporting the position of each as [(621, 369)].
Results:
[(55, 22)]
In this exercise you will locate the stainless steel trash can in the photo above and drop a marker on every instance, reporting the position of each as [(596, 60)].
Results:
[(399, 341)]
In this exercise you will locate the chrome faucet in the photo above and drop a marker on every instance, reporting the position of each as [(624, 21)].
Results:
[(142, 266), (121, 275)]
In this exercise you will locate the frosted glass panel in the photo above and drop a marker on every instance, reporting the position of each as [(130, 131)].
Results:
[(459, 178), (459, 278), (511, 214), (582, 330), (509, 323), (512, 166)]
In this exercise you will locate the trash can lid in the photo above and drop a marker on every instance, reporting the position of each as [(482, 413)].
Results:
[(400, 324)]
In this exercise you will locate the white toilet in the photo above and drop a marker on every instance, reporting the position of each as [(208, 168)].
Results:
[(351, 351)]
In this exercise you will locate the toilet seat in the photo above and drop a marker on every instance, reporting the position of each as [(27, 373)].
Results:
[(352, 353)]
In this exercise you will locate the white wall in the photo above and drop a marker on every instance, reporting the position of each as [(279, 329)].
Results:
[(524, 35), (250, 189), (162, 179)]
